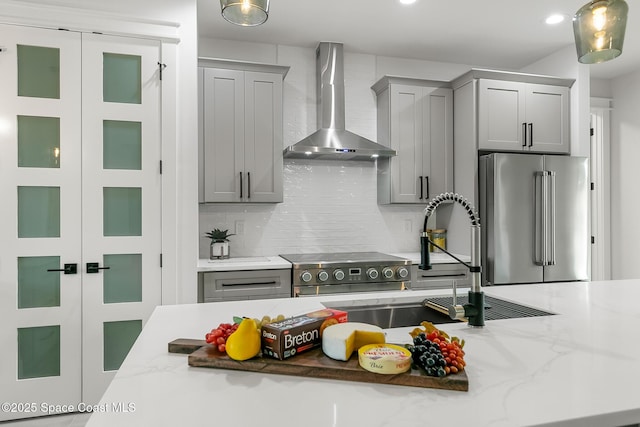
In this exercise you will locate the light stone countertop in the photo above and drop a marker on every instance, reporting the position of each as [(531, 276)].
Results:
[(435, 257), (277, 263), (243, 264), (577, 368)]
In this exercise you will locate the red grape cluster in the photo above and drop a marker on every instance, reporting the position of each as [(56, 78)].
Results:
[(219, 335)]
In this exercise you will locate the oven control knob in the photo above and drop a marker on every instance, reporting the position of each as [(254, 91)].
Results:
[(372, 273), (338, 274), (403, 273), (387, 273), (306, 276), (323, 276)]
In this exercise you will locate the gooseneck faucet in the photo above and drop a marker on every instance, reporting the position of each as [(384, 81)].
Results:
[(474, 310)]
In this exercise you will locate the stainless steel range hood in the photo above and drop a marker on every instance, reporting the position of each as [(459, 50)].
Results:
[(332, 141)]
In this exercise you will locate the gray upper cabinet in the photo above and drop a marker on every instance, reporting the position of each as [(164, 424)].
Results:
[(240, 132), (523, 117), (415, 118)]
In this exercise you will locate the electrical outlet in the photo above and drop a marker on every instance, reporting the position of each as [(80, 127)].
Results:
[(408, 225), (239, 228)]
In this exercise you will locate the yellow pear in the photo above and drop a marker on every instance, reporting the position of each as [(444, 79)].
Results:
[(245, 342)]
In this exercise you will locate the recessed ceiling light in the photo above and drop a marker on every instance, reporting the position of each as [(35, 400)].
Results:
[(407, 1), (554, 19)]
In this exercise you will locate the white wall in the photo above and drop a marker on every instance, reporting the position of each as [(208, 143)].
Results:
[(625, 176), (328, 205), (601, 88)]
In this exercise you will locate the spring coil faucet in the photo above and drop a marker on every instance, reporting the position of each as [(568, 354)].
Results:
[(474, 310)]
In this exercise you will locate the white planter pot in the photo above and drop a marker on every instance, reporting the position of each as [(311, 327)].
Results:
[(219, 250)]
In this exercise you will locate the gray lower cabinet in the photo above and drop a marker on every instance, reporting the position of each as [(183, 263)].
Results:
[(415, 118), (441, 276), (243, 285), (240, 135)]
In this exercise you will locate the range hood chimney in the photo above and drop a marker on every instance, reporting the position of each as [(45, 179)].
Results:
[(332, 141)]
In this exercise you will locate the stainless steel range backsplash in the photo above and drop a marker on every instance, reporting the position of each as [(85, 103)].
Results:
[(329, 206)]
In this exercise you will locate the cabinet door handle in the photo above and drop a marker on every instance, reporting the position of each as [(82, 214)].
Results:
[(241, 185), (269, 283), (421, 189), (68, 269), (427, 179), (530, 134), (248, 185), (93, 267), (524, 134)]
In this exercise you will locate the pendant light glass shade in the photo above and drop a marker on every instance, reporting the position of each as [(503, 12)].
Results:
[(247, 13), (599, 28)]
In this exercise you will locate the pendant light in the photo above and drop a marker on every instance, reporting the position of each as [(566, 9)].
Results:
[(247, 13), (599, 27)]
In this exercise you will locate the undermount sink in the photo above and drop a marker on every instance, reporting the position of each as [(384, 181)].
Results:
[(400, 314), (393, 315)]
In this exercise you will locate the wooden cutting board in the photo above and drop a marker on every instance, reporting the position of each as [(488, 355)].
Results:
[(315, 364)]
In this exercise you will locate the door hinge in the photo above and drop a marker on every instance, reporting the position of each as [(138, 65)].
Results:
[(161, 66), (160, 167), (593, 186), (591, 132), (593, 240), (160, 260)]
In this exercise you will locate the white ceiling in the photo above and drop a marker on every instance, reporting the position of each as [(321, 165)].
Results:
[(506, 34)]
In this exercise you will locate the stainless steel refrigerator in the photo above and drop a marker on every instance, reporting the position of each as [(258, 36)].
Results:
[(534, 214)]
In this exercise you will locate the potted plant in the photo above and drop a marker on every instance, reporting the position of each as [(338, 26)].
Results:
[(219, 247)]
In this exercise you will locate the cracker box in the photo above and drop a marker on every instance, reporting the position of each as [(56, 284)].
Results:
[(289, 337)]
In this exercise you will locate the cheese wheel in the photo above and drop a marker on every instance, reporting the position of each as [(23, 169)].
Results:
[(339, 341), (384, 358)]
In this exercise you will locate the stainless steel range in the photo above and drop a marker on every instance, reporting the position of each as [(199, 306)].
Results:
[(331, 273)]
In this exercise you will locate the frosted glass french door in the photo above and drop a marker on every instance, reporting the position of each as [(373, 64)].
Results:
[(40, 219), (121, 200), (80, 219)]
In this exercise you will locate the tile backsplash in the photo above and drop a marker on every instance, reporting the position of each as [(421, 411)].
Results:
[(329, 206)]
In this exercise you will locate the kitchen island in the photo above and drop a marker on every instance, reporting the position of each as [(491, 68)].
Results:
[(579, 367)]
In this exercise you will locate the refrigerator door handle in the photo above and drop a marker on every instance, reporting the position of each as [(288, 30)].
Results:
[(539, 209), (545, 211), (552, 217)]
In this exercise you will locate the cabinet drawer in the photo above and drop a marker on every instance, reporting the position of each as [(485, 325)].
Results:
[(244, 285), (440, 276)]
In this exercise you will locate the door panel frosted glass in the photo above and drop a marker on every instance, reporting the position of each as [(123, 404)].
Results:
[(38, 287), (38, 212), (38, 142), (123, 279), (122, 78), (39, 352), (118, 340), (122, 145), (122, 211), (38, 71)]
